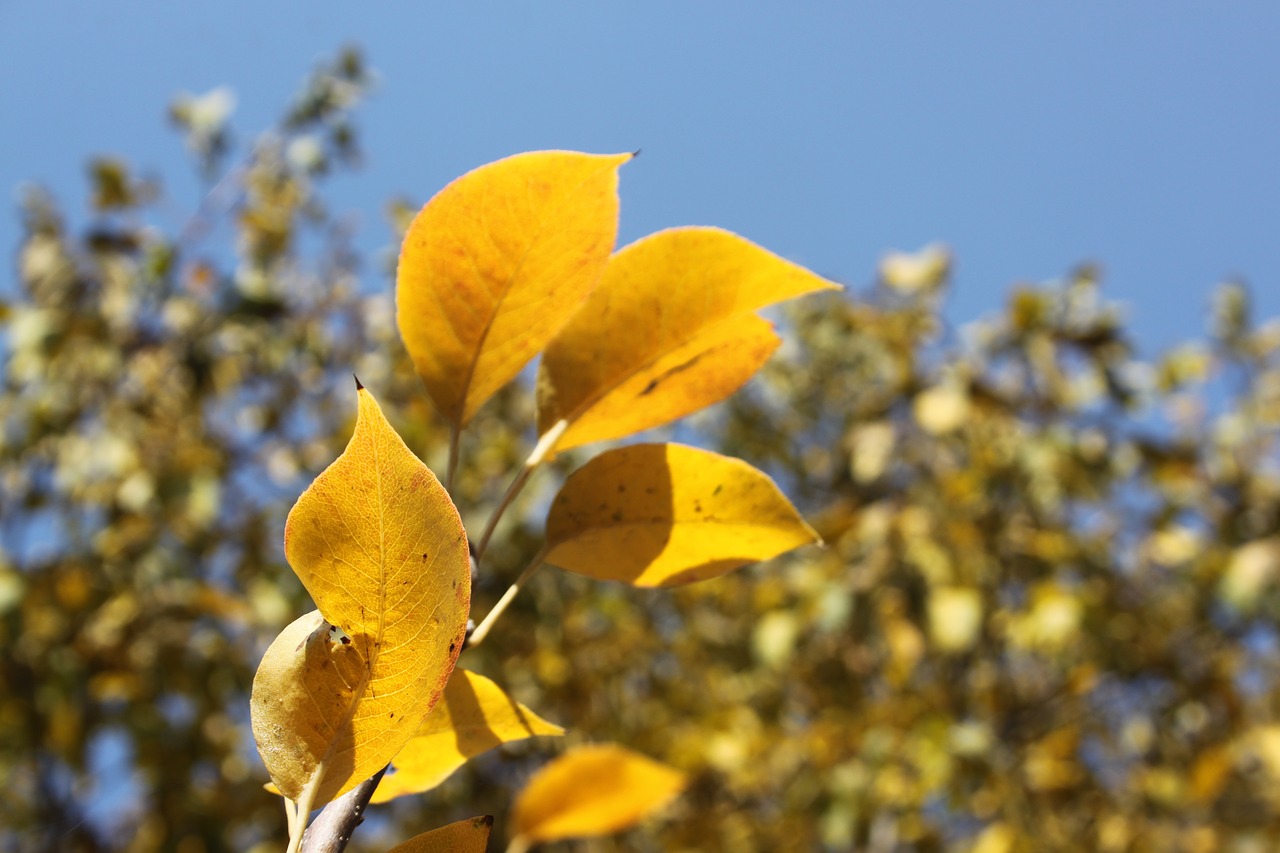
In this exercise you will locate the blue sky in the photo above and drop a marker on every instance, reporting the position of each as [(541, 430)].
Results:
[(1027, 136)]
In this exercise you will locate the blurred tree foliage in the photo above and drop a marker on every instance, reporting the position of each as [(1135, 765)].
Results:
[(1045, 618)]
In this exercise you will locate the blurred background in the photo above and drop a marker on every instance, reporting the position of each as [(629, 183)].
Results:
[(1044, 460)]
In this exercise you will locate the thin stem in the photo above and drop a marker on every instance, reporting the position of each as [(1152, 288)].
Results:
[(539, 455), (290, 814), (304, 808), (518, 845), (455, 436), (482, 630)]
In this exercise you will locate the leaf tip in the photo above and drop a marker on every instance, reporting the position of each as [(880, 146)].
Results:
[(636, 153), (359, 384)]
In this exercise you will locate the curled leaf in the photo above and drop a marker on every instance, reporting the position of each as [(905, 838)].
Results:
[(669, 330), (474, 716), (494, 264), (590, 791), (381, 549), (464, 836), (303, 693), (666, 514)]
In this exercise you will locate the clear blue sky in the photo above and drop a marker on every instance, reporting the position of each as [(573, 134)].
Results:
[(1027, 136)]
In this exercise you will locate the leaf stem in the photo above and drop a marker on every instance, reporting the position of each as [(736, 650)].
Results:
[(290, 814), (482, 630), (455, 437), (539, 455), (304, 808)]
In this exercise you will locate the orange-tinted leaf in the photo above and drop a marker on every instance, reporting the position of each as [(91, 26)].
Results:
[(465, 836), (655, 340), (474, 716), (590, 791), (380, 547), (495, 264), (666, 514)]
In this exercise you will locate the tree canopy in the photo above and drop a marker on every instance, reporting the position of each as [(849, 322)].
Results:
[(1044, 617)]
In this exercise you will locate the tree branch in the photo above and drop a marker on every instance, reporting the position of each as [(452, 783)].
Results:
[(332, 830)]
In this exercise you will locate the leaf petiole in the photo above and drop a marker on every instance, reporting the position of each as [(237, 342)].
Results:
[(539, 455), (483, 629)]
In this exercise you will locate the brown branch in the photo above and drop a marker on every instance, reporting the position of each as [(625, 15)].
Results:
[(332, 830)]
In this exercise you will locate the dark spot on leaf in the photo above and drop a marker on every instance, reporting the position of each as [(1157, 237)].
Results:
[(452, 646), (718, 490), (424, 555), (346, 641)]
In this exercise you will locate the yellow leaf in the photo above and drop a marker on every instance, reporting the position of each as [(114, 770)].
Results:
[(493, 266), (465, 836), (474, 716), (590, 791), (669, 330), (308, 681), (666, 514), (381, 549)]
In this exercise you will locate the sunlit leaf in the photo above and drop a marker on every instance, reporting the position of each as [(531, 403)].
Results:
[(472, 717), (669, 330), (590, 791), (666, 514), (379, 545), (464, 836), (493, 266)]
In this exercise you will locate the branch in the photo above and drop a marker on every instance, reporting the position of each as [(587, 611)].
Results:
[(332, 830)]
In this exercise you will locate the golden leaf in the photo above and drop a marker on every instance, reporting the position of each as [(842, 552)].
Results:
[(669, 330), (666, 514), (464, 836), (474, 716), (494, 265), (381, 549), (590, 791)]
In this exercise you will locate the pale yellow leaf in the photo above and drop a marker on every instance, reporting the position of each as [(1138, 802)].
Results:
[(303, 691), (381, 549), (924, 270), (474, 716), (591, 791), (666, 514), (669, 330), (493, 266), (464, 836)]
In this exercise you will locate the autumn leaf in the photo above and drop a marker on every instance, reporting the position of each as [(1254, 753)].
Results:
[(666, 514), (669, 330), (474, 716), (590, 791), (464, 836), (493, 266), (381, 549)]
